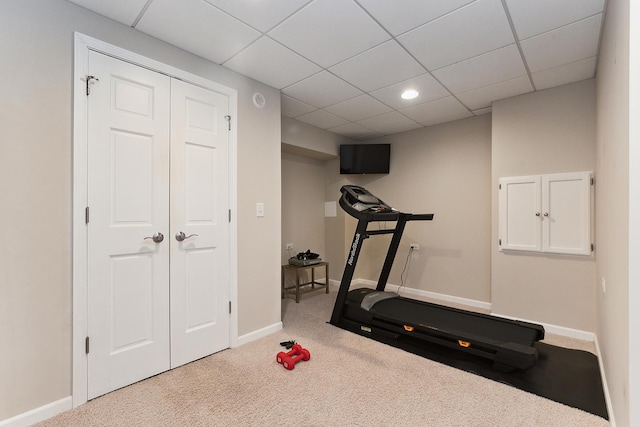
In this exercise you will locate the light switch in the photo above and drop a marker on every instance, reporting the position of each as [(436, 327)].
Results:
[(259, 210)]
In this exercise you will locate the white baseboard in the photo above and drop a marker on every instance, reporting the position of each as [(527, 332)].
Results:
[(252, 336), (554, 329), (426, 294), (557, 330), (605, 385), (38, 414)]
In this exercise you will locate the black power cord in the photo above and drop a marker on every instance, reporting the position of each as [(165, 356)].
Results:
[(407, 264)]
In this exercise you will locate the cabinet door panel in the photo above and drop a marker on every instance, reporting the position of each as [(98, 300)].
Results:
[(566, 206), (519, 217)]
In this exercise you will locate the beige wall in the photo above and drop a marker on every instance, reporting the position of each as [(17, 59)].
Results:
[(551, 131), (306, 150), (337, 238), (36, 110), (612, 207), (301, 138), (302, 205), (634, 211), (445, 170)]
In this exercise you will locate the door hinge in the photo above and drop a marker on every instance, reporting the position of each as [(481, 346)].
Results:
[(592, 247), (229, 307), (88, 83), (86, 345), (499, 242), (499, 186), (86, 215), (228, 119), (229, 215), (592, 181)]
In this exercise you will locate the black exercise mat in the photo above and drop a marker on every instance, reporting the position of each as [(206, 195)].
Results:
[(567, 376)]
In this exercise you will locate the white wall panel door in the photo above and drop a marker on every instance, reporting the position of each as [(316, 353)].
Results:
[(128, 181), (199, 223), (520, 217), (566, 207)]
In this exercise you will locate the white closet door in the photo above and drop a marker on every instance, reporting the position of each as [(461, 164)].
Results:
[(128, 182), (199, 223)]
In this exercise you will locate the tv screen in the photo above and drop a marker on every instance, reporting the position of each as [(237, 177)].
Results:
[(364, 158)]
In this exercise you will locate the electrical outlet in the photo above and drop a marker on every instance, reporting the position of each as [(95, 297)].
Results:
[(288, 246), (414, 247)]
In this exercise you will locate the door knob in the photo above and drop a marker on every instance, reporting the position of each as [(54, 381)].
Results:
[(157, 237), (180, 236)]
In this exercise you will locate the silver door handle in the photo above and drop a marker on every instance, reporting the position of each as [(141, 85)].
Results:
[(180, 236), (157, 237)]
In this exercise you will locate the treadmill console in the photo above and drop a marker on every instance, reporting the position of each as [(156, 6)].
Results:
[(359, 199)]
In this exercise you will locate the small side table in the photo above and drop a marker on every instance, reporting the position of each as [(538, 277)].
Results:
[(295, 290)]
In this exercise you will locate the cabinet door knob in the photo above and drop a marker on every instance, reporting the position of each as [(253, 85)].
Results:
[(537, 213), (546, 214)]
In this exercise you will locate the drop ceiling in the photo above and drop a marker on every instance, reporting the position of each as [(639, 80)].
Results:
[(342, 65)]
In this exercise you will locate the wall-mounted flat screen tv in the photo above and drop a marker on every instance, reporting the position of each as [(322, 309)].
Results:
[(364, 158)]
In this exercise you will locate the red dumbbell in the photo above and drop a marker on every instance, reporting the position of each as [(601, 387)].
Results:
[(296, 354)]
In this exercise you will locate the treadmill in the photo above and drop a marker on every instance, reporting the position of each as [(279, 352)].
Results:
[(412, 324)]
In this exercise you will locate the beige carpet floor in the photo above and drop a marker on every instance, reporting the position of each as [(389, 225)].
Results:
[(349, 381)]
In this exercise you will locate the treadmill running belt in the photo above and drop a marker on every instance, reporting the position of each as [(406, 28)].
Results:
[(432, 316)]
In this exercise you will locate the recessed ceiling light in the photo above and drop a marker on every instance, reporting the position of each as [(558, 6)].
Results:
[(409, 94)]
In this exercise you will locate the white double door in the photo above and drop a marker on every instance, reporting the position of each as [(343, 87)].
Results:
[(158, 229)]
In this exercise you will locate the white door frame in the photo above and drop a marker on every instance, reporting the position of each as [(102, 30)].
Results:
[(82, 45)]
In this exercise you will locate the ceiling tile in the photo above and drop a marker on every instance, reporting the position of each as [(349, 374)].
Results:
[(193, 24), (329, 31), (321, 119), (262, 15), (484, 70), (425, 84), (431, 112), (321, 90), (399, 17), (354, 131), (123, 11), (389, 123), (391, 62), (292, 107), (358, 108), (271, 63), (531, 18), (484, 96), (562, 46), (576, 71), (469, 31), (342, 64)]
